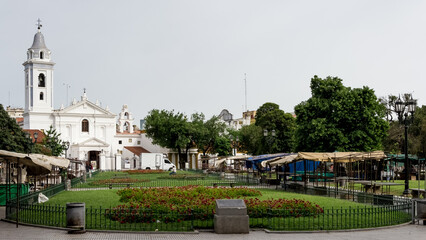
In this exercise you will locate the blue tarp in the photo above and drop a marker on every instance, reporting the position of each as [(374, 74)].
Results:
[(252, 162), (310, 166)]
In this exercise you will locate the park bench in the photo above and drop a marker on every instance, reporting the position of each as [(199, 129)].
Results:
[(273, 181), (110, 185), (189, 177), (416, 192), (231, 184)]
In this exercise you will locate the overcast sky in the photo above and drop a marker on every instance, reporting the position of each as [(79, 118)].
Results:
[(191, 56)]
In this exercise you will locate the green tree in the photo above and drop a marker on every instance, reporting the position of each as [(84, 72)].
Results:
[(417, 133), (12, 137), (338, 118), (250, 137), (222, 146), (271, 118), (52, 142), (205, 134), (169, 130)]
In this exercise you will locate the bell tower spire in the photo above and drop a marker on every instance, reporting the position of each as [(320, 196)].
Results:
[(38, 79)]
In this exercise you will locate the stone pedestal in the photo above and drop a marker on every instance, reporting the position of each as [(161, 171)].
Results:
[(231, 216)]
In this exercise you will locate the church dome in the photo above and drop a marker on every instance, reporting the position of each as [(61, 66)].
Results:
[(38, 42)]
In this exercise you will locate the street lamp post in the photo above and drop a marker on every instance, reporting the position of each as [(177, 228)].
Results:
[(405, 111), (32, 142), (65, 146), (234, 144), (269, 138)]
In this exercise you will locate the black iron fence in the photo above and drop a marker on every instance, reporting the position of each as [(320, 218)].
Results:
[(381, 210), (283, 219)]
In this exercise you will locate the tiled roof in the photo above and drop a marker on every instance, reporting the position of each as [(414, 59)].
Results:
[(40, 136), (137, 150)]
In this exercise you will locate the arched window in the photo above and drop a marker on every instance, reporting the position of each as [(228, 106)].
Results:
[(41, 80), (85, 125), (126, 114), (41, 55), (41, 96)]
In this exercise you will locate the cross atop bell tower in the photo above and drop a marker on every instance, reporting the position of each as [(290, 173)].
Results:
[(39, 24)]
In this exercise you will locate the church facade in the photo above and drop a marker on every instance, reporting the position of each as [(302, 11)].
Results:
[(96, 135)]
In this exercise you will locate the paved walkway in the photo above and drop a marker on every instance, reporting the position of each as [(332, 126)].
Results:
[(406, 232)]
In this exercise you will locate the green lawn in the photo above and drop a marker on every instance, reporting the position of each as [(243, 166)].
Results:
[(338, 214), (398, 189), (109, 198)]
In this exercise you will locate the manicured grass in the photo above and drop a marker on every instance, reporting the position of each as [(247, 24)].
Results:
[(324, 202), (109, 198), (152, 179), (397, 190), (95, 198)]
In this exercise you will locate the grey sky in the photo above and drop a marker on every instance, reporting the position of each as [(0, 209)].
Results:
[(191, 56)]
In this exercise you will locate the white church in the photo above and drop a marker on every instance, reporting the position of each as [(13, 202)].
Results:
[(95, 133)]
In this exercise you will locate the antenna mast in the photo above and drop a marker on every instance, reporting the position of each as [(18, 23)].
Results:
[(245, 90)]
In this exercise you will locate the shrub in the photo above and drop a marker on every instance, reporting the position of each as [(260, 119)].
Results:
[(118, 180), (196, 202), (143, 171)]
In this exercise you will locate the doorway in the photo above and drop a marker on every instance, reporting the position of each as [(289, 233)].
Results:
[(94, 159)]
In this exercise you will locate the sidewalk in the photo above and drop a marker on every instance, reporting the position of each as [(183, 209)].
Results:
[(406, 232)]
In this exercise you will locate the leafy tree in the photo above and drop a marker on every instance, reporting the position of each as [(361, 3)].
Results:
[(251, 139), (270, 117), (206, 133), (417, 133), (222, 146), (12, 137), (52, 142), (169, 130), (338, 118)]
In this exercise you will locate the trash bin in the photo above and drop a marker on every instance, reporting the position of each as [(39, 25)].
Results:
[(76, 217), (421, 210)]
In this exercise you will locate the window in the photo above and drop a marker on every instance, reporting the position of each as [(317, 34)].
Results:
[(130, 140), (41, 55), (85, 125), (120, 142), (126, 114), (41, 96), (41, 80), (139, 142)]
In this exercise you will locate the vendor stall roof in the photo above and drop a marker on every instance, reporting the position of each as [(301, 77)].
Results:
[(341, 156), (280, 160), (36, 163)]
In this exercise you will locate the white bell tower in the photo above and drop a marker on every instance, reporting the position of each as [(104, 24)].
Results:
[(38, 82)]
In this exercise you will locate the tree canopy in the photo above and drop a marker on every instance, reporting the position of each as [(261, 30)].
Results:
[(175, 131), (271, 118), (12, 137), (52, 142), (338, 118)]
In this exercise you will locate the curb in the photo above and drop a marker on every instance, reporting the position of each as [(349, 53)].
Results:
[(195, 232), (341, 230)]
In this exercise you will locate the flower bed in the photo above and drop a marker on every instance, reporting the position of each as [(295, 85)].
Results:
[(183, 176), (143, 171), (174, 204), (118, 180)]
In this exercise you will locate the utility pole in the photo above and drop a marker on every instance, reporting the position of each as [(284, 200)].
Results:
[(245, 90)]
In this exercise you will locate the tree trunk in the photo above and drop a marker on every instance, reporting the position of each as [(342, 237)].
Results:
[(182, 159)]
